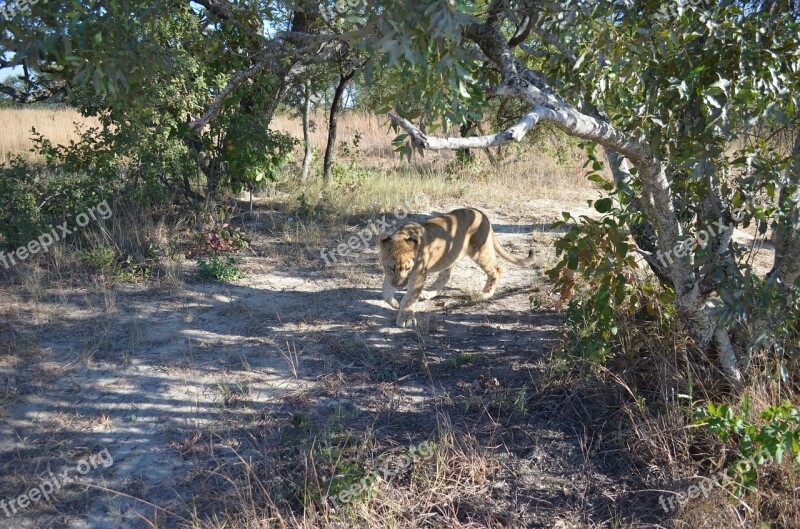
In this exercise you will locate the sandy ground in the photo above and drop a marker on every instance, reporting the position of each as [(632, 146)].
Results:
[(145, 381)]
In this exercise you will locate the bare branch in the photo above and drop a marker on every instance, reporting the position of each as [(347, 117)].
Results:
[(511, 134)]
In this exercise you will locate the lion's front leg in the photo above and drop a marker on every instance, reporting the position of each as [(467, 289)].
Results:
[(405, 317), (389, 292)]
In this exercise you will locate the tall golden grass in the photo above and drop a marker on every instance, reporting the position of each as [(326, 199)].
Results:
[(376, 136), (551, 164), (57, 125)]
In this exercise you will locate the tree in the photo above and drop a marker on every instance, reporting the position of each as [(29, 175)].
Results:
[(185, 90), (333, 122), (669, 92)]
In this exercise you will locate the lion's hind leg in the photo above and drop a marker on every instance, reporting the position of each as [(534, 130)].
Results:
[(486, 258)]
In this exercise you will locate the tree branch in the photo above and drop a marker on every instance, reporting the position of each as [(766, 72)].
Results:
[(522, 33), (266, 59), (31, 97), (511, 134)]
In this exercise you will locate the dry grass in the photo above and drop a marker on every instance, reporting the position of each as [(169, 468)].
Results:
[(58, 125), (395, 486), (376, 136), (650, 391)]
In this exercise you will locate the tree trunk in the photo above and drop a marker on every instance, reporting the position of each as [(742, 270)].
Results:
[(306, 132), (283, 87), (327, 173), (465, 156)]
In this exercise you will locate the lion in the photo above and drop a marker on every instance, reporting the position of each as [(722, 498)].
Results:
[(415, 250)]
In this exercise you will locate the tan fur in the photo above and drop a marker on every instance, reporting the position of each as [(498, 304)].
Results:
[(415, 250)]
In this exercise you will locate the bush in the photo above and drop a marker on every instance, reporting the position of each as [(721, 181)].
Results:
[(757, 445), (218, 268), (217, 240), (105, 260)]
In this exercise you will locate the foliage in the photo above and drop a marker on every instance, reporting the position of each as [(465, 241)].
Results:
[(599, 249), (106, 260), (218, 240), (703, 79), (35, 198), (430, 74), (218, 268), (308, 211), (345, 474), (463, 358), (141, 69), (21, 219), (778, 435), (251, 153)]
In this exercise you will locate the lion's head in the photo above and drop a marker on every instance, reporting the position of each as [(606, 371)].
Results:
[(399, 253)]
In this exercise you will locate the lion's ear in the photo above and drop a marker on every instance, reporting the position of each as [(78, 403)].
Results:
[(413, 239)]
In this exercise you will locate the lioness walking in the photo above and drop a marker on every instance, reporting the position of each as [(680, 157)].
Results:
[(415, 250)]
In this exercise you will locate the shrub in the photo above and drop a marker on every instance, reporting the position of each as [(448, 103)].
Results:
[(218, 268), (778, 435)]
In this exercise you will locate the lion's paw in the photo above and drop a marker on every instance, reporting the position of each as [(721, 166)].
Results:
[(406, 320)]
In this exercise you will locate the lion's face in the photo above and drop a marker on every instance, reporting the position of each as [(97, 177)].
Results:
[(398, 253)]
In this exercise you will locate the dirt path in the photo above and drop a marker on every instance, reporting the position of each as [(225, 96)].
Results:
[(148, 380)]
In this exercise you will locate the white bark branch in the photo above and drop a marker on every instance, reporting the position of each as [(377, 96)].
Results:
[(512, 134)]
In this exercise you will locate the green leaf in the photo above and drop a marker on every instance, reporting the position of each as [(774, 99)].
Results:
[(603, 205)]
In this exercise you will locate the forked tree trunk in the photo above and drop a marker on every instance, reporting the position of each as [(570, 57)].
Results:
[(336, 105), (656, 198)]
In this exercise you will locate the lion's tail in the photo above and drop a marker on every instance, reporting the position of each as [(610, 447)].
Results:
[(522, 261)]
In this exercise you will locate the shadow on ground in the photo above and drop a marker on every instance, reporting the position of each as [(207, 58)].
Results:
[(181, 385)]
